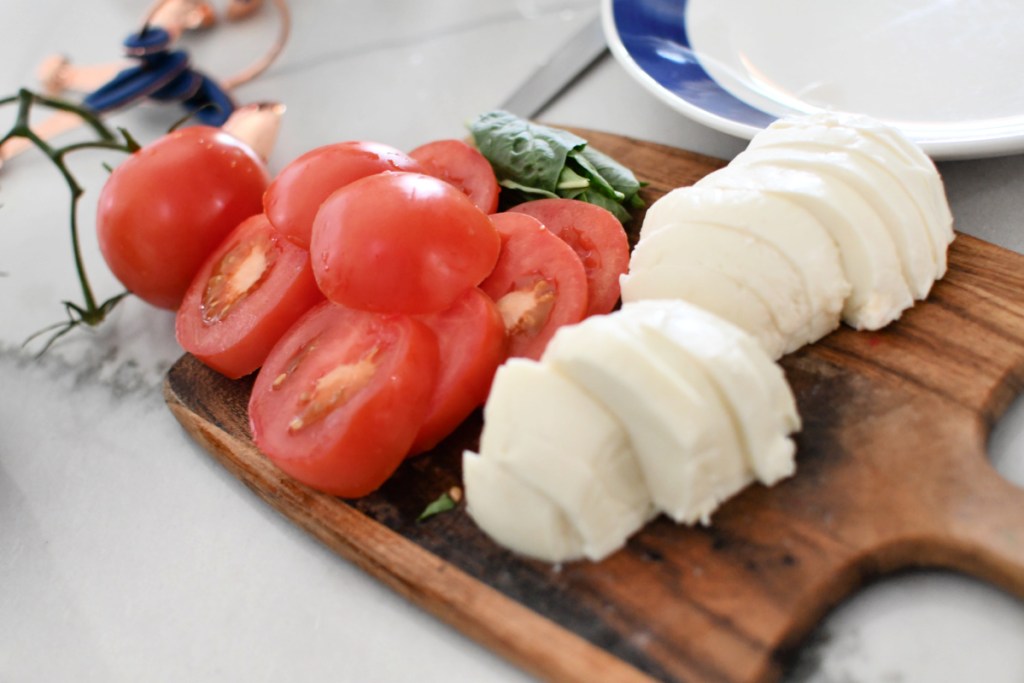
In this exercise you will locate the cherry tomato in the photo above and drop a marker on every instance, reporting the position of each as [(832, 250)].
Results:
[(246, 295), (471, 339), (401, 243), (295, 195), (597, 238), (463, 166), (170, 204), (342, 395), (538, 283)]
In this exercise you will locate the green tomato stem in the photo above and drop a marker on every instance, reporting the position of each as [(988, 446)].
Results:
[(91, 313)]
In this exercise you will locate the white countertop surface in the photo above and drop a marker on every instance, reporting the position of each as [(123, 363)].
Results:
[(127, 554)]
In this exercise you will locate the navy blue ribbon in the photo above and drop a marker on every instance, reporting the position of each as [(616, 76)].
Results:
[(163, 75)]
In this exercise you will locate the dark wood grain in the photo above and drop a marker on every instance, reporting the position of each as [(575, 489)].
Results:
[(892, 473)]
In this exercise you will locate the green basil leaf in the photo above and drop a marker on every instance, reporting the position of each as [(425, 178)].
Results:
[(569, 181), (532, 161), (617, 175), (444, 503), (598, 199), (530, 154), (513, 185), (591, 172)]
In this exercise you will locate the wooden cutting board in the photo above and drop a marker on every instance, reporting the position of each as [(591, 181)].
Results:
[(892, 473)]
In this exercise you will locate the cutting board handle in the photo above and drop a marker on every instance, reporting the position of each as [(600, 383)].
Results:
[(985, 524)]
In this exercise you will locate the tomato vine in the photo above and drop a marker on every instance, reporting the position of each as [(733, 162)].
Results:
[(89, 312)]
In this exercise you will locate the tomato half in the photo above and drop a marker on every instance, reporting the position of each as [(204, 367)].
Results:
[(462, 165), (471, 339), (401, 243), (342, 395), (597, 238), (538, 283), (246, 295), (168, 205), (295, 195)]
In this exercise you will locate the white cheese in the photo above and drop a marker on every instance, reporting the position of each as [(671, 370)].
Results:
[(908, 166), (547, 431), (752, 386), (686, 447), (870, 261), (515, 514), (758, 266), (711, 290), (893, 205), (799, 236)]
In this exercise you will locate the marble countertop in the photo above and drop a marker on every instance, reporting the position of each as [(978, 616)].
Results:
[(127, 554)]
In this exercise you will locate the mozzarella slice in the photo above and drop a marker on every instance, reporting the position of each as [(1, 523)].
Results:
[(688, 452), (515, 514), (752, 386), (909, 167), (735, 253), (800, 237), (899, 214), (712, 290), (547, 431), (870, 261)]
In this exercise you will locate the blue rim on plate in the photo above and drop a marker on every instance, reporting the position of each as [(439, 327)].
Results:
[(649, 39)]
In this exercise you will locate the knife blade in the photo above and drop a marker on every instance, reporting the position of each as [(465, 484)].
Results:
[(556, 74)]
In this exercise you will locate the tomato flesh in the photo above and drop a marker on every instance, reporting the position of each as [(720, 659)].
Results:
[(342, 396), (471, 340), (295, 195), (597, 238), (246, 295), (401, 243), (462, 165), (240, 271), (166, 207), (538, 283)]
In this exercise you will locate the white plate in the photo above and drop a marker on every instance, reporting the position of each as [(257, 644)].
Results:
[(946, 72)]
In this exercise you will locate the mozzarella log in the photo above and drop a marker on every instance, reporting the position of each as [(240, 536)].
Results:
[(879, 292), (688, 452), (735, 253), (909, 167), (898, 214), (776, 221), (659, 407), (516, 515), (857, 210), (553, 436), (712, 290), (752, 386)]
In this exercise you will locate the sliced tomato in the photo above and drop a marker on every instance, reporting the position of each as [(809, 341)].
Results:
[(401, 243), (292, 200), (538, 283), (342, 395), (597, 238), (471, 339), (462, 165), (244, 297)]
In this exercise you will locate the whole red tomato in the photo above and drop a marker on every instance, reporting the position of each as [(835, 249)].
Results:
[(169, 205), (400, 243), (297, 192)]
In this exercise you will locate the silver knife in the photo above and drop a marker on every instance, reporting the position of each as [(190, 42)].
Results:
[(567, 64)]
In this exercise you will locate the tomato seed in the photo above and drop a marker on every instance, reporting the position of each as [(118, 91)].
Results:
[(334, 389), (525, 311), (237, 275)]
